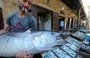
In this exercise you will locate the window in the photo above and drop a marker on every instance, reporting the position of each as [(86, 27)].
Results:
[(44, 19)]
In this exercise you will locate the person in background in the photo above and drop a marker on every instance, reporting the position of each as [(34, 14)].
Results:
[(61, 25), (20, 22)]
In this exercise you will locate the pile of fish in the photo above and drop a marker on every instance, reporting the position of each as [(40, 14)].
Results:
[(69, 50), (85, 48), (72, 49)]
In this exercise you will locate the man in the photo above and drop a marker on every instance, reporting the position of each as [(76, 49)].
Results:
[(61, 24), (22, 21)]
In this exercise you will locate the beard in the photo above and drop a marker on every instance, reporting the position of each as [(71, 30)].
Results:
[(23, 9)]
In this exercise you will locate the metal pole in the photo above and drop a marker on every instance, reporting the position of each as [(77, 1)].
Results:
[(79, 21)]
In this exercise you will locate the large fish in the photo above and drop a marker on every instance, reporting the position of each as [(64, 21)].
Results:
[(31, 42)]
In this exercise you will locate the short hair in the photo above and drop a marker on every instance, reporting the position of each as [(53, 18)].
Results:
[(20, 0)]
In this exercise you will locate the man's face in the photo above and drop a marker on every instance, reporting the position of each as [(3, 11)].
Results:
[(25, 5)]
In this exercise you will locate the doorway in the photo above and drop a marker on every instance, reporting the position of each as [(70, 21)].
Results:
[(44, 17), (1, 20), (61, 23)]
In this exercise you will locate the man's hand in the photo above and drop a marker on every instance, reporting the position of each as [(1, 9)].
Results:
[(23, 55), (2, 32)]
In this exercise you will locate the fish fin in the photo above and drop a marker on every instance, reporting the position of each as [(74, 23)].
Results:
[(28, 31)]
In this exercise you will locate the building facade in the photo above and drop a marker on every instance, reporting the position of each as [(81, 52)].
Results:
[(47, 13)]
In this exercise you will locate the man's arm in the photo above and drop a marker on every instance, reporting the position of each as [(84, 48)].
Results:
[(7, 25), (5, 30)]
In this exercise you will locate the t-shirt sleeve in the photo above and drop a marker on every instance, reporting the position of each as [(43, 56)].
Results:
[(33, 24), (9, 19)]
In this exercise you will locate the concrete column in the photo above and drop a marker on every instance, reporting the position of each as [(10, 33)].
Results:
[(70, 24), (66, 18), (89, 25), (73, 22)]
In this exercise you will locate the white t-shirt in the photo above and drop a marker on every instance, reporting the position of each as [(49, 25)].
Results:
[(62, 23)]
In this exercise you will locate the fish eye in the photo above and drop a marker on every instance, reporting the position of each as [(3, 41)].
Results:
[(58, 37)]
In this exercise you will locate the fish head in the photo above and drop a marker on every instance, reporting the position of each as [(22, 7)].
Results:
[(46, 40), (59, 40)]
